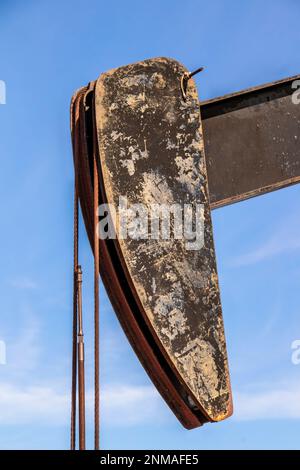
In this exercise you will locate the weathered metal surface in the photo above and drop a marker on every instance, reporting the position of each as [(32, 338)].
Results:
[(151, 151), (252, 142)]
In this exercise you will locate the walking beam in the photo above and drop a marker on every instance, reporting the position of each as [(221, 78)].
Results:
[(252, 141)]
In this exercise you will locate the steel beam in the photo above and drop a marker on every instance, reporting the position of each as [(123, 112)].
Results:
[(252, 142)]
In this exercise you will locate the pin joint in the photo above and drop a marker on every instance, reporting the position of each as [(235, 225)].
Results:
[(185, 78)]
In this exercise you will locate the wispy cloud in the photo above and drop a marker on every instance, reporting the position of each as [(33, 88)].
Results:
[(24, 405), (23, 283), (122, 405), (131, 405), (278, 401), (23, 345), (285, 239)]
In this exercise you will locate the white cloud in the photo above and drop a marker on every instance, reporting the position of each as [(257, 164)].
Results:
[(24, 405), (131, 405), (278, 401), (128, 405), (121, 405)]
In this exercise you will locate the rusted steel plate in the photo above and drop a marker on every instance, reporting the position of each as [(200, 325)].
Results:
[(252, 142), (151, 151)]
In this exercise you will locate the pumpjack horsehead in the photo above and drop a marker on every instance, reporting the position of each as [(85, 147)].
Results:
[(139, 133)]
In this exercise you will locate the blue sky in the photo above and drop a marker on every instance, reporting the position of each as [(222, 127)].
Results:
[(49, 49)]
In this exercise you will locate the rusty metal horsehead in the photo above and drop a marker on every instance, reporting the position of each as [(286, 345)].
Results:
[(138, 140)]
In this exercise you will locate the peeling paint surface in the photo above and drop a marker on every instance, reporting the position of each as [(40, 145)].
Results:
[(151, 151)]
